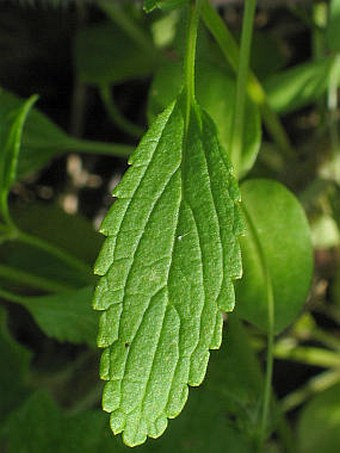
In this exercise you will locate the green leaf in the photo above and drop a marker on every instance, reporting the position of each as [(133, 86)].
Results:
[(277, 247), (12, 124), (225, 410), (333, 26), (299, 86), (15, 361), (105, 54), (319, 424), (166, 269), (211, 85), (42, 139), (29, 267), (150, 5), (65, 317), (41, 426)]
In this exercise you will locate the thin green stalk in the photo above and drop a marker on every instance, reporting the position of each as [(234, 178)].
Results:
[(117, 118), (13, 274), (241, 83), (269, 360), (117, 14), (189, 62), (51, 249), (94, 147), (333, 120), (309, 355), (315, 385), (230, 50), (270, 336)]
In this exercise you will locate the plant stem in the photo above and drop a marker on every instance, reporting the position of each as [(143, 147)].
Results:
[(117, 14), (333, 120), (94, 147), (189, 62), (241, 84), (49, 248), (270, 334), (309, 355), (16, 275), (270, 358), (117, 118), (316, 384), (230, 50)]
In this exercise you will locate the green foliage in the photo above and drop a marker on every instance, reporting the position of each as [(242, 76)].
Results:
[(40, 425), (166, 269), (276, 248), (42, 139), (65, 316), (15, 359), (211, 82), (172, 247), (101, 41), (150, 5), (332, 33), (319, 425), (299, 86), (12, 123)]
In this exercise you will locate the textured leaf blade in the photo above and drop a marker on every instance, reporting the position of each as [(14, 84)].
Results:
[(167, 267)]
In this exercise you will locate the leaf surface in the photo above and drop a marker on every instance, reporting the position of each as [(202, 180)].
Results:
[(299, 86), (42, 139), (319, 423), (65, 317), (277, 246), (167, 267), (15, 360), (216, 94), (11, 129), (105, 54), (41, 425)]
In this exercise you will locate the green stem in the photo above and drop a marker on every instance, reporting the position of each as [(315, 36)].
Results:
[(49, 248), (117, 118), (333, 120), (94, 147), (117, 14), (16, 275), (189, 62), (241, 84), (315, 385), (230, 50), (309, 355), (270, 333)]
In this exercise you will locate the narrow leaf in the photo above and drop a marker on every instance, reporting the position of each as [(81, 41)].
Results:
[(299, 86), (166, 269), (12, 125)]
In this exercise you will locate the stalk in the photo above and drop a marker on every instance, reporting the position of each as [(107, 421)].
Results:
[(241, 84)]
